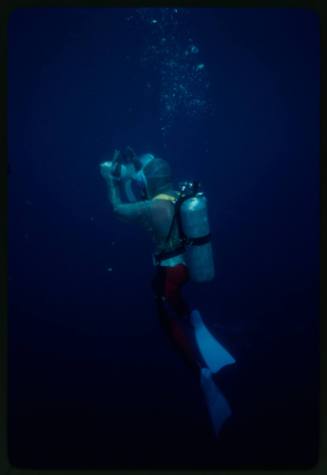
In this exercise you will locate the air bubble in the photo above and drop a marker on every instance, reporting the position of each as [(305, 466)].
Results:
[(175, 55)]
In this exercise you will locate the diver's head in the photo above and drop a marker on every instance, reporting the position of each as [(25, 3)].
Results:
[(157, 174), (145, 176)]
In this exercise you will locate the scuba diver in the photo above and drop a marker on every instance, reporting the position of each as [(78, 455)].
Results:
[(140, 190)]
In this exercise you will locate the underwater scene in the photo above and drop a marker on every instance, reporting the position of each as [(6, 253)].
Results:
[(163, 238)]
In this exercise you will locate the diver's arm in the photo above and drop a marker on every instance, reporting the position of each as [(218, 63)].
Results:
[(111, 172), (113, 192), (129, 212)]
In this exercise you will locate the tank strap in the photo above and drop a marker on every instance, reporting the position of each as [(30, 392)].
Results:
[(168, 254), (199, 241)]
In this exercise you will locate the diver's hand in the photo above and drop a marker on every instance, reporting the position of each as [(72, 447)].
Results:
[(105, 170), (111, 169)]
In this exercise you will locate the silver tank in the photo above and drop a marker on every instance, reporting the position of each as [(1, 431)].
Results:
[(195, 224)]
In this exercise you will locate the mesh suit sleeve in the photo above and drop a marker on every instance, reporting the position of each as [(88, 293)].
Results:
[(139, 211)]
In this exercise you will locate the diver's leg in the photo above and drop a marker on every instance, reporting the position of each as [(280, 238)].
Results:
[(173, 312), (174, 316), (176, 278)]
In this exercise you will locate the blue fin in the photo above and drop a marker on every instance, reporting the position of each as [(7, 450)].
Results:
[(213, 353), (218, 407)]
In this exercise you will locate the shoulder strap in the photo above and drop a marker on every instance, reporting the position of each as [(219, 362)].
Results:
[(174, 198), (177, 204), (166, 197)]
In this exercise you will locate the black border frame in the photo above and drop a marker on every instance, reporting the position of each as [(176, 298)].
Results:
[(6, 8)]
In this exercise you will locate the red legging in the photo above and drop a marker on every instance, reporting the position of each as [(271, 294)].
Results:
[(173, 310)]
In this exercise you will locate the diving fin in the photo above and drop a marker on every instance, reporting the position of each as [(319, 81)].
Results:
[(212, 352), (218, 407)]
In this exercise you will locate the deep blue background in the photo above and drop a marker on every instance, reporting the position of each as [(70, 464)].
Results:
[(92, 379)]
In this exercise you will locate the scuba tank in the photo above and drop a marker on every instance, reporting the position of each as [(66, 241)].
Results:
[(195, 231), (191, 214)]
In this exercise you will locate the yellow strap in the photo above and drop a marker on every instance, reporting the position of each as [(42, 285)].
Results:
[(163, 196)]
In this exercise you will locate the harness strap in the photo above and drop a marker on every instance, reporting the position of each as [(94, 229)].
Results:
[(168, 254), (199, 241), (175, 200)]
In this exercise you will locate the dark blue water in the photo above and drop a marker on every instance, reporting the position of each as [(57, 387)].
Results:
[(93, 383)]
